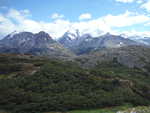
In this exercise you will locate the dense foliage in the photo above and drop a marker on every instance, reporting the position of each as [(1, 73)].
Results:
[(63, 85)]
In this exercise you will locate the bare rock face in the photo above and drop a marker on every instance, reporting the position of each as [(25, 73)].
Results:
[(28, 43)]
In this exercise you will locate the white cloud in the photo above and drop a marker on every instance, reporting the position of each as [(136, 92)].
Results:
[(131, 1), (25, 12), (3, 7), (139, 1), (136, 33), (57, 16), (85, 16), (147, 24), (16, 20), (125, 1), (6, 26), (126, 19), (146, 6)]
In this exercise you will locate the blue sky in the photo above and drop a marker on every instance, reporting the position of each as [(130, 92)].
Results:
[(41, 9), (89, 16)]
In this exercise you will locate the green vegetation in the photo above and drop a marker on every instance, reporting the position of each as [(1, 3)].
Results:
[(63, 86)]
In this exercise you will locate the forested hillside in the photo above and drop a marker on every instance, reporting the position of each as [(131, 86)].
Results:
[(57, 85)]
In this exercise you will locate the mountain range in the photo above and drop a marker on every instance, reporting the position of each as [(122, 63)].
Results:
[(86, 43), (128, 51), (40, 44), (27, 42)]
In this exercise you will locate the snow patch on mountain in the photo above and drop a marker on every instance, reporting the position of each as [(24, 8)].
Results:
[(11, 35)]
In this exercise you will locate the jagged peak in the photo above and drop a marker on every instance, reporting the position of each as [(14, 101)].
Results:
[(72, 34), (42, 32)]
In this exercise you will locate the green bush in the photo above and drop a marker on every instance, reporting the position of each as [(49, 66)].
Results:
[(62, 86)]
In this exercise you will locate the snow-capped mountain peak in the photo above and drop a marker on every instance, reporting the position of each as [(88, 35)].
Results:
[(72, 34), (124, 35), (13, 33)]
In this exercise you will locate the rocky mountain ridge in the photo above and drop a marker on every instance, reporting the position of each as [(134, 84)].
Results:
[(37, 44)]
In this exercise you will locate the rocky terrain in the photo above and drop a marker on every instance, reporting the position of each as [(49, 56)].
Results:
[(136, 110), (40, 44)]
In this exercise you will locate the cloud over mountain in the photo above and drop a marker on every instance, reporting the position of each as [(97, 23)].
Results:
[(57, 16), (21, 20), (85, 16), (146, 5)]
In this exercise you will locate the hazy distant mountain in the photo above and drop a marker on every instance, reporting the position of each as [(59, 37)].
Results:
[(28, 43), (145, 40)]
